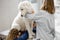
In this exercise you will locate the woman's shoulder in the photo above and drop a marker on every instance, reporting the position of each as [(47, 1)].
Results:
[(43, 12)]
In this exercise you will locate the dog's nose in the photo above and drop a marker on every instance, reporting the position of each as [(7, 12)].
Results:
[(21, 15)]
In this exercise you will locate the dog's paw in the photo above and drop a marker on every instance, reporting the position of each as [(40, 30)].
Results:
[(30, 39), (33, 34)]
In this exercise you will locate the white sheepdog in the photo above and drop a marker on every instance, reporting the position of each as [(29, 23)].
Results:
[(21, 22)]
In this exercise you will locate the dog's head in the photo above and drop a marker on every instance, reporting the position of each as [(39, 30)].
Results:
[(25, 7)]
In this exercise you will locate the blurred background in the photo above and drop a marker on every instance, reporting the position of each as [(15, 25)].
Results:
[(9, 9)]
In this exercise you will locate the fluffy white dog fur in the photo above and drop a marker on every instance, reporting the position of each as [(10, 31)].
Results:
[(22, 22)]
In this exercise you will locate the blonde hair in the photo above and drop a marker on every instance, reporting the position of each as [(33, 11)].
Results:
[(48, 6)]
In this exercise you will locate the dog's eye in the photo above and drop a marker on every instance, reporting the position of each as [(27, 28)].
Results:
[(21, 9)]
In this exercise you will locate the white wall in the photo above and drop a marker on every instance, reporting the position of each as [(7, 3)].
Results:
[(8, 10)]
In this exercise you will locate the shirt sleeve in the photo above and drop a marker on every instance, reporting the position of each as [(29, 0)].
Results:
[(34, 16)]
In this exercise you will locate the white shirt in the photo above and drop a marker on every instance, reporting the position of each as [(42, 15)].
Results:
[(45, 25)]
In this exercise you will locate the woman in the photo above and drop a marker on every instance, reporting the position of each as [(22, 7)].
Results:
[(46, 27)]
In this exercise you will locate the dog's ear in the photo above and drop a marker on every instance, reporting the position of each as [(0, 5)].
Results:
[(32, 11)]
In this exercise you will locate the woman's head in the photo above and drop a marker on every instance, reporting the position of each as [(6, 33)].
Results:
[(48, 5)]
